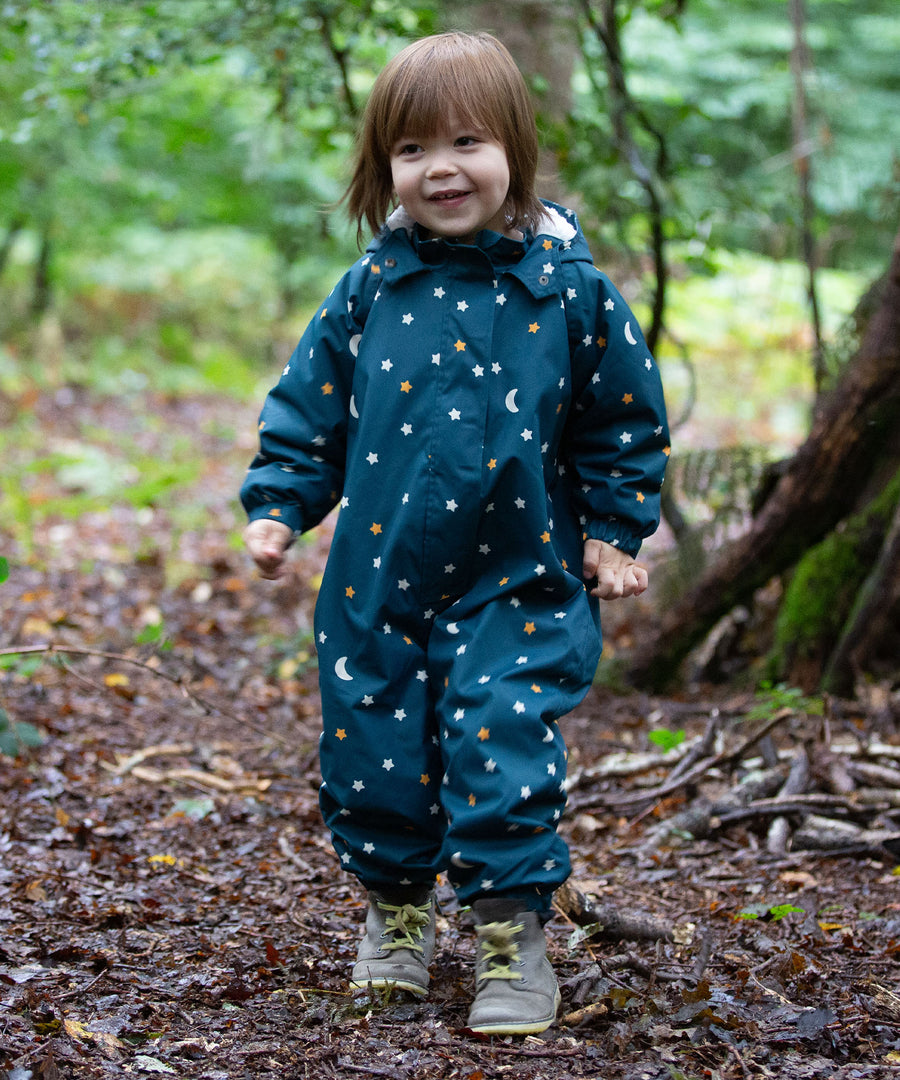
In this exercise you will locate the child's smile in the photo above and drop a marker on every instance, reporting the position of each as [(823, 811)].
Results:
[(453, 183)]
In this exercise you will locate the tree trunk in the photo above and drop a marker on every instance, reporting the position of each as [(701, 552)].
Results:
[(819, 487), (874, 625)]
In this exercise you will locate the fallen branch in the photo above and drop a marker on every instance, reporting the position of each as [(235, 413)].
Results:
[(611, 921), (177, 680)]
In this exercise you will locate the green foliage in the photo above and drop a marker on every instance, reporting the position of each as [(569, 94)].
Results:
[(775, 913), (771, 697), (666, 739), (16, 736), (4, 569), (713, 91)]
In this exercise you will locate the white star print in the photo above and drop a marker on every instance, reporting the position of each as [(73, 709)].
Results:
[(372, 458), (501, 299), (625, 437), (407, 429), (400, 714), (548, 268), (515, 602), (422, 676), (478, 370), (609, 305), (386, 628), (452, 505), (403, 584), (449, 568), (526, 435), (487, 884), (520, 503), (549, 864), (376, 562), (439, 293), (484, 679), (648, 364), (368, 848), (571, 294), (460, 714), (345, 858), (455, 414), (318, 440), (559, 615), (495, 368), (551, 769), (525, 793), (436, 358), (658, 431), (287, 368), (405, 498), (386, 365), (484, 549), (461, 650), (322, 637), (587, 339), (345, 502), (407, 318), (358, 785), (387, 764), (519, 707), (522, 660), (540, 569), (368, 700), (461, 305), (434, 808), (490, 765)]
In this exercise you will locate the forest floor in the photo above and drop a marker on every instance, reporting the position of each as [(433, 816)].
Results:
[(170, 903)]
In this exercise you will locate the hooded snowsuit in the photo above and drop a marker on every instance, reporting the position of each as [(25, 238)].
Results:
[(477, 411)]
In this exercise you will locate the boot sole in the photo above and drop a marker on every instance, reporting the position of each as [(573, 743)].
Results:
[(389, 984), (528, 1027)]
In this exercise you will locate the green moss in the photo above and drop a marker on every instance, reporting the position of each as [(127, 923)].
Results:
[(821, 593)]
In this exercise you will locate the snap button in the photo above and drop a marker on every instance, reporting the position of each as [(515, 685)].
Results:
[(390, 263), (544, 280)]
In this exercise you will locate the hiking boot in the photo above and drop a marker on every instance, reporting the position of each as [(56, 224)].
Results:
[(515, 989), (398, 945)]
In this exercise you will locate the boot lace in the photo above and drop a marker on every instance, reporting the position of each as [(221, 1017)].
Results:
[(499, 950), (405, 923)]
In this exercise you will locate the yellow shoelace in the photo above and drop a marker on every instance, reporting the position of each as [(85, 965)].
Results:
[(403, 922), (500, 950)]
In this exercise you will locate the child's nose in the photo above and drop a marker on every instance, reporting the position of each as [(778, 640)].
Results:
[(441, 164)]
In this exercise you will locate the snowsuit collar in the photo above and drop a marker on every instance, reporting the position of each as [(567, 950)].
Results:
[(401, 249)]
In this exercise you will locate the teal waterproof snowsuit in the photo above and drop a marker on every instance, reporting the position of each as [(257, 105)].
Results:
[(477, 411)]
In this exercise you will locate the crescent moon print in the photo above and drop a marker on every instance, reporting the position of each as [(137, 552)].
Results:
[(354, 344), (340, 669), (354, 412), (511, 400), (457, 860), (629, 336), (452, 628)]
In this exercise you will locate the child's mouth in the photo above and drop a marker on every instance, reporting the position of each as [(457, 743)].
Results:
[(448, 196)]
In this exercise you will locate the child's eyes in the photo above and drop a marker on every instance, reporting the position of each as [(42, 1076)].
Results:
[(466, 140), (408, 148)]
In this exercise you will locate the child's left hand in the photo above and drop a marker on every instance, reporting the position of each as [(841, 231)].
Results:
[(616, 573)]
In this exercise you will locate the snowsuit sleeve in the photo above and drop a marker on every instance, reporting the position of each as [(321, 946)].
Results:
[(298, 474), (617, 443)]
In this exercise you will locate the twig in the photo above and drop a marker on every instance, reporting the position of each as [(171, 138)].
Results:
[(177, 680), (723, 758)]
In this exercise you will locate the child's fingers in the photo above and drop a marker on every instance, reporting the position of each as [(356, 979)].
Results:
[(267, 542)]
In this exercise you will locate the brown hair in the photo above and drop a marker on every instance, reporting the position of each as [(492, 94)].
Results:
[(474, 75)]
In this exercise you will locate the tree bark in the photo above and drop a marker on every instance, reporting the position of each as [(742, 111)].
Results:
[(875, 620), (817, 489)]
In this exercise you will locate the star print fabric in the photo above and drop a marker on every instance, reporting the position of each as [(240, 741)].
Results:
[(477, 411)]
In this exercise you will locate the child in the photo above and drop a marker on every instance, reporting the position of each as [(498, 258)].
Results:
[(479, 400)]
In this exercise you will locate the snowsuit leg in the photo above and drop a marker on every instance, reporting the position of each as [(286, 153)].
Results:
[(506, 669), (380, 761)]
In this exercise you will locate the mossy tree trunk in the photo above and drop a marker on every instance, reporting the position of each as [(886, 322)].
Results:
[(852, 436)]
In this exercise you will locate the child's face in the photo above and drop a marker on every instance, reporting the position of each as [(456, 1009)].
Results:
[(453, 183)]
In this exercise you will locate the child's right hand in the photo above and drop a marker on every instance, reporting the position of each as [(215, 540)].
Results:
[(267, 541)]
